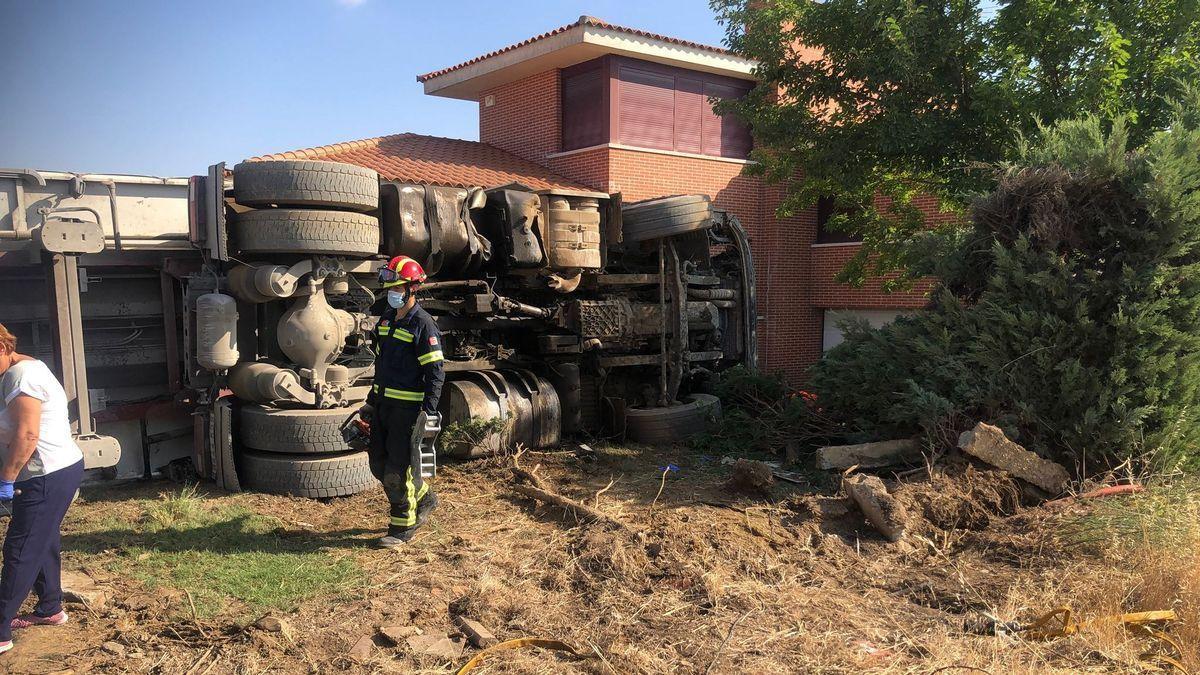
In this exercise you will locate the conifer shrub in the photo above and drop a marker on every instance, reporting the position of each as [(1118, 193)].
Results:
[(1068, 312)]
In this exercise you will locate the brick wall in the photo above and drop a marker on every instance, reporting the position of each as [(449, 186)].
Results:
[(794, 278), (524, 116)]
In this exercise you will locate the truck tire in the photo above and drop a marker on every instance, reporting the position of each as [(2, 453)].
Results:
[(305, 232), (306, 183), (299, 432), (664, 426), (665, 217), (337, 475)]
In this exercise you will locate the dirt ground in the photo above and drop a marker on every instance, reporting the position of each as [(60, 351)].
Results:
[(701, 581)]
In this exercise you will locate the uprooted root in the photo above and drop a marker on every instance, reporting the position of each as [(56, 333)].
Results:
[(966, 501)]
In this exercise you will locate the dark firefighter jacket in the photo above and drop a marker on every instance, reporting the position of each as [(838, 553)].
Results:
[(408, 361)]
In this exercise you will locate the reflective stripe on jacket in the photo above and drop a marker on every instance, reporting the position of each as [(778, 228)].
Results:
[(408, 361)]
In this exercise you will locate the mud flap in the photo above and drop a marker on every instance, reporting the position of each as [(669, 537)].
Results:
[(220, 445)]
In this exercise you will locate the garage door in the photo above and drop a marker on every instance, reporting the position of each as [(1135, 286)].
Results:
[(831, 336)]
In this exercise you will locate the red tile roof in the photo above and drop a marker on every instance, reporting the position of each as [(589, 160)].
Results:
[(414, 158), (583, 21)]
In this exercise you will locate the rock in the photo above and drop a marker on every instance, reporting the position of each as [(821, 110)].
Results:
[(114, 648), (79, 587), (989, 444), (869, 455), (397, 634), (477, 635), (363, 649), (751, 477), (881, 509), (446, 648), (271, 624)]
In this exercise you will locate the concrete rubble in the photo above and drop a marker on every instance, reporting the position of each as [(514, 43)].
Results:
[(885, 514), (988, 443), (79, 587), (398, 634), (442, 647), (476, 633), (363, 649), (869, 455)]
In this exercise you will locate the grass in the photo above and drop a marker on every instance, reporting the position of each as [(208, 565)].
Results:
[(1154, 539), (229, 559)]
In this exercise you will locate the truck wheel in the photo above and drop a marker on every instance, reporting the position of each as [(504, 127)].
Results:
[(663, 426), (305, 232), (302, 431), (665, 217), (306, 476), (306, 183)]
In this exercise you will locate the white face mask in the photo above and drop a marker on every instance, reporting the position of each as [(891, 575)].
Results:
[(397, 298)]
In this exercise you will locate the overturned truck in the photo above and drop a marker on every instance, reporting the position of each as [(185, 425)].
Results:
[(562, 312)]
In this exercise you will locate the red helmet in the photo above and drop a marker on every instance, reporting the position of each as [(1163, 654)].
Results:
[(400, 271)]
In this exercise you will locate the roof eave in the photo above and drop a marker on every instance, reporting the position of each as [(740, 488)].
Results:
[(575, 45)]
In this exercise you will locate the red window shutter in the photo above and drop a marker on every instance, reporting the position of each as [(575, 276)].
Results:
[(646, 109), (689, 113), (584, 113), (723, 136)]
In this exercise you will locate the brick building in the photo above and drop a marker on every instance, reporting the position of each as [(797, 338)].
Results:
[(598, 106)]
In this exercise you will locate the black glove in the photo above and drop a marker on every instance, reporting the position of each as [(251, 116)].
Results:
[(366, 413)]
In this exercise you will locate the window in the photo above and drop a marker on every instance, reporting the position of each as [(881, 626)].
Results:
[(585, 105), (827, 209), (831, 333), (649, 105)]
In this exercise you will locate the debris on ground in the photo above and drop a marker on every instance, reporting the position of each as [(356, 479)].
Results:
[(542, 491), (476, 633), (750, 477), (661, 602), (989, 444), (882, 510), (557, 645), (114, 648), (79, 587), (442, 647), (271, 624), (363, 649), (789, 476), (398, 634), (1109, 491), (869, 455)]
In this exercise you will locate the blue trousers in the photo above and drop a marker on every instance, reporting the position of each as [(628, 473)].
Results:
[(32, 545)]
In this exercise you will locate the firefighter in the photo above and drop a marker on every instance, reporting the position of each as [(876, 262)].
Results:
[(408, 383)]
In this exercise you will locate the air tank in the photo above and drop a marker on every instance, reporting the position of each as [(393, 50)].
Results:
[(216, 331)]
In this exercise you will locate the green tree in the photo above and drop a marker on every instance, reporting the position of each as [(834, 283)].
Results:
[(899, 98)]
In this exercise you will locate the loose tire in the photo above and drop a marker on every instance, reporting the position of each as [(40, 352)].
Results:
[(306, 183), (298, 432), (665, 217), (306, 232), (663, 426), (306, 476)]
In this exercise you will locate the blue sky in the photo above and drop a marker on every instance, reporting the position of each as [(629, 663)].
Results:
[(167, 88)]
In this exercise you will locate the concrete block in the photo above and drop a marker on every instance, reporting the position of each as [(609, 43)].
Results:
[(885, 514), (869, 455), (989, 444)]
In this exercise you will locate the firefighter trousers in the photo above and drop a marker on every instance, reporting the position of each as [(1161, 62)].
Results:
[(396, 464)]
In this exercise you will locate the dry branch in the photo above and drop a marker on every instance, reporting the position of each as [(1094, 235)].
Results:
[(540, 490)]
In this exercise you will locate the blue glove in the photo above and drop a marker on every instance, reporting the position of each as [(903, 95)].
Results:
[(6, 491)]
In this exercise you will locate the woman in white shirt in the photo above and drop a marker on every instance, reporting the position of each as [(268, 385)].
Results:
[(40, 471)]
